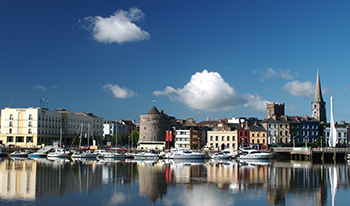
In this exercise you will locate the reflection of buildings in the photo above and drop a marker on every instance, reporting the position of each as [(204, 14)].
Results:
[(31, 179), (152, 181)]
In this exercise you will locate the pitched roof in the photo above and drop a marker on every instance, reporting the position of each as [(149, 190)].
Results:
[(153, 110), (318, 92)]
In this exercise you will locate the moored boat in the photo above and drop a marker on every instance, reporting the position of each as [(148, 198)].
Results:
[(186, 154), (84, 154), (147, 155), (104, 154), (60, 152), (254, 154), (20, 153), (225, 154), (2, 153)]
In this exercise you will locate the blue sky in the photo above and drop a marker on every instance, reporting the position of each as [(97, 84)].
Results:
[(196, 59)]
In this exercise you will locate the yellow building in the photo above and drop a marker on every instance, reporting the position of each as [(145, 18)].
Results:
[(222, 139)]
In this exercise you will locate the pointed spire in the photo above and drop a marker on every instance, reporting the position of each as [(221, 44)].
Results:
[(318, 92)]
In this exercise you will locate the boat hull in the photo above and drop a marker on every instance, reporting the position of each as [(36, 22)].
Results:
[(37, 155)]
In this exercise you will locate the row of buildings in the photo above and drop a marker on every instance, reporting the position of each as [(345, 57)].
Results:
[(31, 127)]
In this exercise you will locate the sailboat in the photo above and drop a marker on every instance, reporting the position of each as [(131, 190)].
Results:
[(59, 151), (87, 153)]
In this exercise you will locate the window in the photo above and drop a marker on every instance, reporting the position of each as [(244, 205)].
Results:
[(233, 145), (20, 139), (211, 138), (10, 131), (9, 139), (216, 145), (264, 141), (252, 141), (223, 138), (253, 135), (339, 134), (11, 116), (216, 138), (228, 138), (233, 138), (29, 139), (29, 124), (10, 124), (263, 134), (286, 133), (30, 117)]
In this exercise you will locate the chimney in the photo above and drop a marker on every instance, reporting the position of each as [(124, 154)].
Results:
[(133, 121), (342, 122), (120, 121), (208, 118)]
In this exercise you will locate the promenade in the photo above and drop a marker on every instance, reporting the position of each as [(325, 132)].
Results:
[(311, 154)]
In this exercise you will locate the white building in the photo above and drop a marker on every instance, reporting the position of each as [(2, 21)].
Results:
[(31, 127), (183, 138), (111, 128)]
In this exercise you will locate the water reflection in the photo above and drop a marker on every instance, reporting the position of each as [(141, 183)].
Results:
[(174, 182)]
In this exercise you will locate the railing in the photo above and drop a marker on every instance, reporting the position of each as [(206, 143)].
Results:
[(326, 149)]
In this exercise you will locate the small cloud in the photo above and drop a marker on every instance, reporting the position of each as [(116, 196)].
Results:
[(271, 73), (118, 92), (300, 89), (39, 87), (54, 86), (346, 88), (208, 91), (118, 28)]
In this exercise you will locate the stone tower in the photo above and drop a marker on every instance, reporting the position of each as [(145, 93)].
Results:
[(318, 106), (153, 126), (274, 109)]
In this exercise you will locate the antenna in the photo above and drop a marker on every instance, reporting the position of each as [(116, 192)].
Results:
[(154, 102)]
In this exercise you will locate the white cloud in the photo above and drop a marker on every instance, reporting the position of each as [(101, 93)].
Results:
[(270, 73), (300, 89), (118, 28), (39, 87), (118, 92), (256, 103), (208, 91)]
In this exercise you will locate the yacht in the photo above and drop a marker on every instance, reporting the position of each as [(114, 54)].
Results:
[(84, 154), (104, 154), (41, 153), (186, 154), (254, 154), (225, 154), (59, 152), (147, 155), (20, 153)]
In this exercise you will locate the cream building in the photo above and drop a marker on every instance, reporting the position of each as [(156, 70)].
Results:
[(32, 127), (222, 139)]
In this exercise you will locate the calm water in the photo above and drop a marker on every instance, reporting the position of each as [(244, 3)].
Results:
[(126, 182)]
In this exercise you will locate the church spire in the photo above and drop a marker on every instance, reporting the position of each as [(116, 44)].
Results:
[(318, 106), (318, 92)]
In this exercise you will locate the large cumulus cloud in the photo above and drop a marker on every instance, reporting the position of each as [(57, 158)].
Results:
[(208, 91)]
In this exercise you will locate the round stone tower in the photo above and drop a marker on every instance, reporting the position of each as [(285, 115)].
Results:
[(153, 126)]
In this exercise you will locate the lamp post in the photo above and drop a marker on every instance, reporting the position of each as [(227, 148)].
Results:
[(305, 142)]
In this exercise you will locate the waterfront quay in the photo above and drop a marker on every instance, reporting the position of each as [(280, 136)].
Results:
[(313, 154)]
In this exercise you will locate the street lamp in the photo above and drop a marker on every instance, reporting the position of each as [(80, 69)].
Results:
[(305, 142)]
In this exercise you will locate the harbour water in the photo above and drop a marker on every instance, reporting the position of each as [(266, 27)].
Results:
[(168, 182)]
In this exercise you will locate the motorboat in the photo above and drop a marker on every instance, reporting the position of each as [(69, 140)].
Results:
[(224, 154), (104, 154), (41, 153), (186, 154), (147, 155), (20, 153), (254, 154), (60, 152), (84, 154)]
